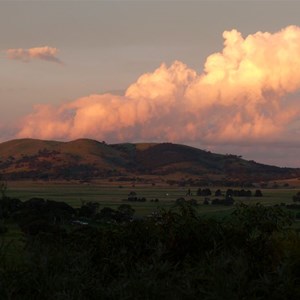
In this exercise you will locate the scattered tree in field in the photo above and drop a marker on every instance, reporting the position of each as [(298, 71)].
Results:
[(203, 192), (218, 193), (229, 193), (132, 197), (258, 193)]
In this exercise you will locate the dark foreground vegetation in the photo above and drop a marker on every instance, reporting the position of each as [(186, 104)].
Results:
[(173, 254)]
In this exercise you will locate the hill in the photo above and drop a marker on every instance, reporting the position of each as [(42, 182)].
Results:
[(85, 159)]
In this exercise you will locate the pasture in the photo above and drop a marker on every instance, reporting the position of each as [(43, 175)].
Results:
[(112, 195)]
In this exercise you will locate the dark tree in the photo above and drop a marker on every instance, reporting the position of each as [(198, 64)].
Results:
[(126, 212), (229, 193), (218, 193), (296, 198), (88, 209), (258, 193)]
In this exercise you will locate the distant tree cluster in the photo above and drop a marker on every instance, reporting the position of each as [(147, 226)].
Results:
[(132, 197), (227, 196), (228, 200), (154, 200), (209, 182), (229, 192), (203, 192), (36, 214), (238, 193), (243, 193), (40, 215)]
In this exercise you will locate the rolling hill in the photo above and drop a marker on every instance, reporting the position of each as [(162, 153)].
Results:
[(86, 159)]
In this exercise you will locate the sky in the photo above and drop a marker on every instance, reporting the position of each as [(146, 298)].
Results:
[(218, 75)]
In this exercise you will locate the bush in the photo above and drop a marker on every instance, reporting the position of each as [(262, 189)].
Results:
[(258, 193), (296, 198), (3, 229)]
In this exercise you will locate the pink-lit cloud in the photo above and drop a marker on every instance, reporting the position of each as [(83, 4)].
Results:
[(43, 53), (247, 93)]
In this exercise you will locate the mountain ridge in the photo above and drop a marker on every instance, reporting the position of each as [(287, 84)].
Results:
[(88, 158)]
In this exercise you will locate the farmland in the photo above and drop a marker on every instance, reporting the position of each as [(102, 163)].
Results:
[(112, 195)]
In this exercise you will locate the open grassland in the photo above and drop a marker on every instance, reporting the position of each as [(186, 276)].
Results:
[(112, 195)]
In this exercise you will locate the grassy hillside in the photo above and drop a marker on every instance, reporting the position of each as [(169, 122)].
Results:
[(86, 158)]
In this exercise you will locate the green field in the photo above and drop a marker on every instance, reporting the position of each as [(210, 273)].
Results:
[(107, 194)]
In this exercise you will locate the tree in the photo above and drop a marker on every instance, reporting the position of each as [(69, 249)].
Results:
[(8, 206), (229, 193), (218, 193), (204, 192), (3, 189), (132, 196), (258, 193), (249, 193), (296, 198), (88, 209), (199, 192), (192, 202), (126, 212), (107, 214)]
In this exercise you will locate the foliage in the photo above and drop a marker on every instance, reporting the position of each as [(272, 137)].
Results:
[(258, 193), (296, 198), (175, 254), (203, 192)]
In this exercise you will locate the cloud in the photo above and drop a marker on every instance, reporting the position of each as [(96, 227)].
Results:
[(43, 53), (246, 94)]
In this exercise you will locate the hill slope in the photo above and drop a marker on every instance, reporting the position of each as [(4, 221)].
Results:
[(85, 158)]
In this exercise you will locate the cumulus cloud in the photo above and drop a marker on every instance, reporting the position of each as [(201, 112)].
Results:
[(43, 53), (246, 93)]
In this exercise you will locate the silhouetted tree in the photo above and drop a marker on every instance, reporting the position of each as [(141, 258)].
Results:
[(203, 192), (229, 193), (258, 193), (218, 193), (126, 212), (88, 210), (296, 198)]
